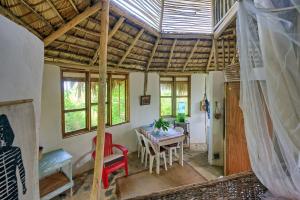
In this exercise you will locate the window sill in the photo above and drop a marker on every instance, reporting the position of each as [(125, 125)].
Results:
[(84, 131)]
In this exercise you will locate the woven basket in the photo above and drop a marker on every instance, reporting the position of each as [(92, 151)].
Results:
[(239, 186)]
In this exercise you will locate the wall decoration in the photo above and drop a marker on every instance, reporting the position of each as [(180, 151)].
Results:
[(18, 151), (145, 100)]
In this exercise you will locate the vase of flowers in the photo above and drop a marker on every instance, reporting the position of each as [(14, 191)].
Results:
[(161, 125)]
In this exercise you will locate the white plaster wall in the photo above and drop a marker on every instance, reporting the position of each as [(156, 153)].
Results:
[(80, 146), (197, 119), (21, 68), (216, 126)]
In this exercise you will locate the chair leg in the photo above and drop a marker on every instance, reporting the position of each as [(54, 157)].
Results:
[(126, 168), (105, 180), (170, 156), (165, 160), (143, 154), (151, 164), (139, 150), (146, 159), (175, 150)]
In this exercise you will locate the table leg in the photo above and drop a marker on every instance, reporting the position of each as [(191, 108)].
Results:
[(181, 154), (157, 160)]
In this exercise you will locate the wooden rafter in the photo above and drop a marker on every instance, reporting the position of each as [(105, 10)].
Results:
[(152, 53), (171, 53), (191, 55), (216, 55), (116, 9), (226, 20), (210, 58), (91, 32), (55, 10), (223, 53), (131, 46), (74, 6), (71, 24), (10, 15), (110, 35), (39, 16), (96, 188), (74, 45)]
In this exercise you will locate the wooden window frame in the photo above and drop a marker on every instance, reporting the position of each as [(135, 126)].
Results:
[(88, 101), (174, 94)]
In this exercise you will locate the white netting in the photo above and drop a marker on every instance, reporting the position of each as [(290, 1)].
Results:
[(269, 44)]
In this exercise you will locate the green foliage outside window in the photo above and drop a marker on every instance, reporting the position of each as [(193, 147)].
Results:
[(76, 108)]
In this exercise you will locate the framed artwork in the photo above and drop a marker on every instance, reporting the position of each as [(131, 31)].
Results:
[(18, 151), (145, 100)]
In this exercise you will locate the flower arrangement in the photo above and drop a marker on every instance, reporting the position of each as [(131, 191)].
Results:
[(161, 124)]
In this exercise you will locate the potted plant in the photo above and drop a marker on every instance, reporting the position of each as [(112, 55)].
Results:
[(161, 124), (180, 117)]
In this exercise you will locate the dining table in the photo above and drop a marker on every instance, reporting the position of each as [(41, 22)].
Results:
[(163, 138)]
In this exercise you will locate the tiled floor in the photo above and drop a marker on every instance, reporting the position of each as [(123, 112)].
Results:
[(196, 157)]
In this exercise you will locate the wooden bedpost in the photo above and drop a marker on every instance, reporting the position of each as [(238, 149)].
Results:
[(96, 189)]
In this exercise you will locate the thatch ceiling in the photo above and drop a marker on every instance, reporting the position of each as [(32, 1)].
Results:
[(132, 46)]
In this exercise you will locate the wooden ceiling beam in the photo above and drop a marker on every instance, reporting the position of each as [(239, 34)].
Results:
[(131, 46), (171, 53), (110, 35), (122, 12), (39, 16), (10, 15), (152, 53), (55, 10), (71, 24), (191, 55)]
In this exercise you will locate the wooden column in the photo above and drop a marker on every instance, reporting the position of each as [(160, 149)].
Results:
[(96, 189)]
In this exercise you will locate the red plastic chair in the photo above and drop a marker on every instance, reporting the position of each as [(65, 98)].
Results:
[(112, 162)]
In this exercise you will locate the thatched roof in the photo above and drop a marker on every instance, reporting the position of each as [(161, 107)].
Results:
[(132, 45)]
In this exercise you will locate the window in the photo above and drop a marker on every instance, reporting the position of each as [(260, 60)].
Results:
[(80, 101), (174, 95)]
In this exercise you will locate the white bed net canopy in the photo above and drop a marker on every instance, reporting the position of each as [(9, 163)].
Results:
[(269, 49)]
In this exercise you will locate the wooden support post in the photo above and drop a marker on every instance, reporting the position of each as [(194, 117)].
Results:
[(216, 56), (110, 35), (152, 53), (171, 54), (76, 20), (96, 188), (191, 55), (131, 46), (145, 83)]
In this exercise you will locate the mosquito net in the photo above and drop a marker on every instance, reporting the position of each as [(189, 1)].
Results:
[(269, 44)]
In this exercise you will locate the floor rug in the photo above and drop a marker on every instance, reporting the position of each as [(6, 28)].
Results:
[(143, 183)]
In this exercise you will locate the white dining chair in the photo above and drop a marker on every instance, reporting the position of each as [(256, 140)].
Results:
[(173, 147), (141, 145), (151, 152)]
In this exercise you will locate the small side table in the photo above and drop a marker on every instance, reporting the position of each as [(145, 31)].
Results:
[(55, 174), (186, 128)]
